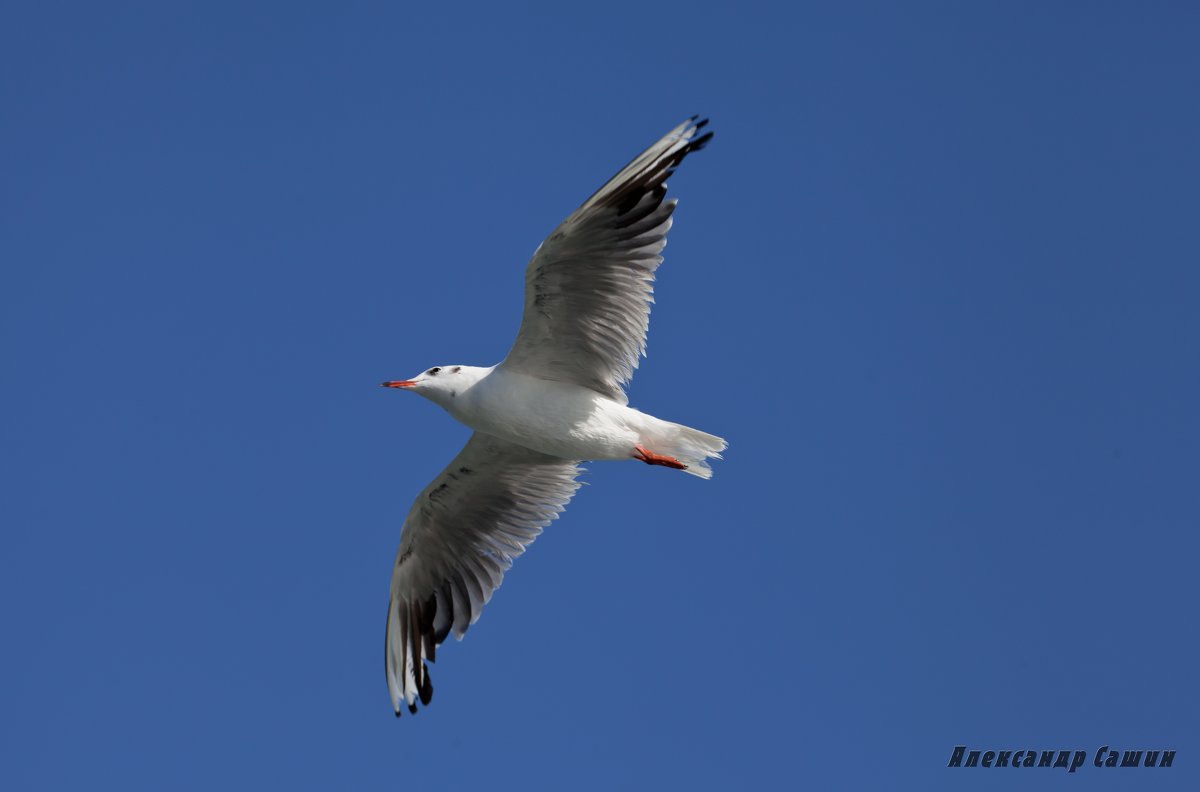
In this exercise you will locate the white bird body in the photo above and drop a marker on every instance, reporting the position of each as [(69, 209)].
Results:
[(560, 419), (558, 398), (556, 418)]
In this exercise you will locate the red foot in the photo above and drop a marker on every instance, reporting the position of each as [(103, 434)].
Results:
[(651, 458)]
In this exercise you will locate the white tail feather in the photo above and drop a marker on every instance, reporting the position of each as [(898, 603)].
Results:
[(691, 447)]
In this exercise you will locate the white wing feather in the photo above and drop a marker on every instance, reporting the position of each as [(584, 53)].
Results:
[(460, 537), (589, 285)]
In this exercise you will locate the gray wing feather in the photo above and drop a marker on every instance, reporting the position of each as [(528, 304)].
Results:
[(589, 285), (460, 537)]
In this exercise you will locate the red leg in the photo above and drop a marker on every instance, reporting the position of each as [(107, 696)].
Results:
[(651, 458)]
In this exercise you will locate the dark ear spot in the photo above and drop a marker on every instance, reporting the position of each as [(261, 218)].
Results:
[(457, 369)]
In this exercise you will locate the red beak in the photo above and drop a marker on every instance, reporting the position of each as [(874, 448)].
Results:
[(399, 384)]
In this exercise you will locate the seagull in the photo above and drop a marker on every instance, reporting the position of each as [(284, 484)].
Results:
[(558, 398)]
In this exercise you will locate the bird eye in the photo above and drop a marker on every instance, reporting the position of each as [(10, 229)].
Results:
[(435, 370)]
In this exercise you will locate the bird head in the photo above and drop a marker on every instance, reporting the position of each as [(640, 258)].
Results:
[(441, 384)]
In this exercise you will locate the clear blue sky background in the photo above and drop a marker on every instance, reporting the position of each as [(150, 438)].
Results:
[(936, 280)]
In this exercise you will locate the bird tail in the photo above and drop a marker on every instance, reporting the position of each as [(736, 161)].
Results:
[(691, 447)]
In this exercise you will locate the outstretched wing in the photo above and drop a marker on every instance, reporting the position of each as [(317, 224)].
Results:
[(589, 285), (459, 538)]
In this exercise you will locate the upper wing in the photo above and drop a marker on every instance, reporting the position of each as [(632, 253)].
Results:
[(588, 287), (459, 538)]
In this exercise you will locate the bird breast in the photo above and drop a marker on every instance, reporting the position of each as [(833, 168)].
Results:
[(556, 418)]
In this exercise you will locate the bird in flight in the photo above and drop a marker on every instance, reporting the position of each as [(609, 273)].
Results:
[(557, 399)]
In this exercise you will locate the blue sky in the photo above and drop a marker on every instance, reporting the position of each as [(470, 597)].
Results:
[(935, 280)]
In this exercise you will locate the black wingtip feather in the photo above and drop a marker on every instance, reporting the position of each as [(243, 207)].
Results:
[(700, 142), (415, 621), (447, 601), (626, 196), (428, 612), (624, 209), (426, 690)]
